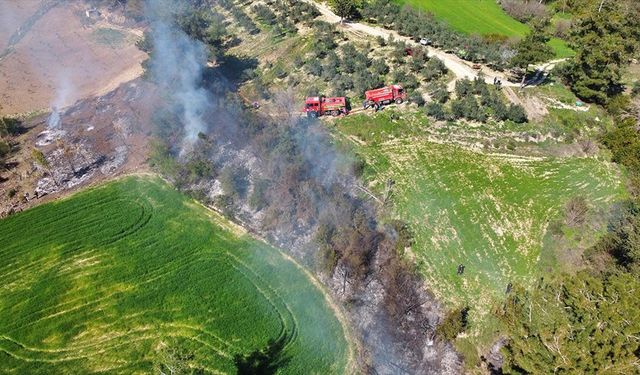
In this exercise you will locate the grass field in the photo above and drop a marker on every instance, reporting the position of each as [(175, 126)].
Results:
[(487, 212), (115, 278), (481, 17)]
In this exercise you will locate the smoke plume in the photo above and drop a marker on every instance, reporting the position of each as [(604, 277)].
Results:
[(308, 191), (177, 65), (64, 91)]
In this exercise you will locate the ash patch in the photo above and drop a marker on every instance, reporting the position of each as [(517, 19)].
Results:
[(48, 136), (95, 139)]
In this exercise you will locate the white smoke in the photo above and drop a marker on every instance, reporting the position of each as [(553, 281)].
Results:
[(64, 91), (54, 120), (177, 65)]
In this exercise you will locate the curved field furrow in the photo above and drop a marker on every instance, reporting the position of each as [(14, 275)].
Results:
[(124, 277), (289, 331)]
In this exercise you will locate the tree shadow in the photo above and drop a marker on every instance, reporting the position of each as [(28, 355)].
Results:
[(265, 361), (236, 69)]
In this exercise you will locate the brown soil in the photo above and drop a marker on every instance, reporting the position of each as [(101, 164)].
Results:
[(14, 13), (63, 48), (536, 109)]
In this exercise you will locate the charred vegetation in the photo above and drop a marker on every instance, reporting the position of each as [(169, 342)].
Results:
[(283, 178)]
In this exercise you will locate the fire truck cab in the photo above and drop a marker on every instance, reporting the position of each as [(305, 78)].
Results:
[(385, 95), (316, 106)]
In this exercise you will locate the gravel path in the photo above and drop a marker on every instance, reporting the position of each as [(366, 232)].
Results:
[(460, 68)]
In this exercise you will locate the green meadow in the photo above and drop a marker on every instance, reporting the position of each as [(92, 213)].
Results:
[(489, 212), (133, 275), (481, 17)]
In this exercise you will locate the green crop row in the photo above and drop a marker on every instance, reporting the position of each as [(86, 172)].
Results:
[(132, 276)]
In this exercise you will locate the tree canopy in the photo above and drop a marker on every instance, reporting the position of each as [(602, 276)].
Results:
[(345, 9), (532, 49), (605, 37), (583, 324)]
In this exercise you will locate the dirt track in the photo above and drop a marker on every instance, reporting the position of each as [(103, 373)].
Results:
[(62, 57), (460, 68)]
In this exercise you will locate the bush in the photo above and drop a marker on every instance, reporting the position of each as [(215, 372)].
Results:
[(464, 87), (524, 11), (258, 199), (265, 14), (575, 211), (457, 109), (436, 110), (635, 90), (379, 67), (234, 181), (12, 192), (225, 204), (454, 323), (314, 67), (10, 126), (517, 114), (5, 148), (440, 95), (416, 97), (331, 65)]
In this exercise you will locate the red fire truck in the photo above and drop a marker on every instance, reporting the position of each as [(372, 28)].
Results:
[(378, 97), (319, 106)]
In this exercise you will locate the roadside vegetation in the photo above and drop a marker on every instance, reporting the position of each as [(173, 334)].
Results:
[(133, 276)]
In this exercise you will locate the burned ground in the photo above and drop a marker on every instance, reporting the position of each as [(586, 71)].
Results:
[(96, 139)]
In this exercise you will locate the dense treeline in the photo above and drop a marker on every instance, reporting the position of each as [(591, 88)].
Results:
[(605, 37), (410, 22), (475, 101), (587, 322)]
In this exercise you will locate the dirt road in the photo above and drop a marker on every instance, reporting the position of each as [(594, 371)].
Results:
[(460, 68), (53, 54)]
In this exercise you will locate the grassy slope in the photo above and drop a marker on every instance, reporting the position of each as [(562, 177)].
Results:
[(481, 17), (107, 278), (486, 212)]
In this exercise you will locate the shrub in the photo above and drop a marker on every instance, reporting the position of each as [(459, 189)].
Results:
[(265, 14), (440, 95), (258, 199), (463, 88), (575, 211), (436, 110), (416, 97), (234, 181), (635, 90), (314, 67), (225, 204), (524, 10), (4, 148), (379, 67), (517, 114), (12, 192), (10, 126), (454, 323), (457, 109)]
